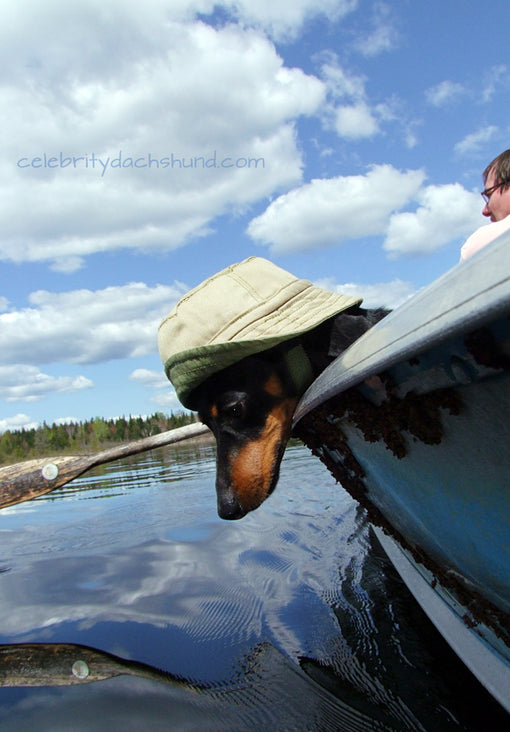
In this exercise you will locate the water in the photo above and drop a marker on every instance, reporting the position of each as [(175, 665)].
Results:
[(291, 619)]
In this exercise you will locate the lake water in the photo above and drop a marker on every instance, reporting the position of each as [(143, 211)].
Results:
[(290, 619)]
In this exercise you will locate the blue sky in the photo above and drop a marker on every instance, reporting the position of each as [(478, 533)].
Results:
[(146, 146)]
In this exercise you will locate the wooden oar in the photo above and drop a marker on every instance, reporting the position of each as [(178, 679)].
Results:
[(67, 664), (32, 478)]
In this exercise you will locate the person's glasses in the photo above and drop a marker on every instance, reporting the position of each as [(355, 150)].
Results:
[(487, 193)]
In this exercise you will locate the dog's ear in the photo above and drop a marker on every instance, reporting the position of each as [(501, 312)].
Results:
[(351, 325)]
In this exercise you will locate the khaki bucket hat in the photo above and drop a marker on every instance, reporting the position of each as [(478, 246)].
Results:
[(242, 310)]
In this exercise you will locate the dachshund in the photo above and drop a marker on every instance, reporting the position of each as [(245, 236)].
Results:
[(249, 407)]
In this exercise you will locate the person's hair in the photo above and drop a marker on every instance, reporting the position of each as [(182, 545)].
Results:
[(501, 168)]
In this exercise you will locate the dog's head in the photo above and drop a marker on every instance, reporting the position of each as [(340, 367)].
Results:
[(249, 408), (236, 314)]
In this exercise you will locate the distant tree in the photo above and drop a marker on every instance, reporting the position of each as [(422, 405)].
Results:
[(100, 430), (79, 437)]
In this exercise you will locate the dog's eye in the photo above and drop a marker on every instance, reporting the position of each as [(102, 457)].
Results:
[(234, 411)]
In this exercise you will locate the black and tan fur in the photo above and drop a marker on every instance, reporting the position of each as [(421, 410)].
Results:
[(249, 407)]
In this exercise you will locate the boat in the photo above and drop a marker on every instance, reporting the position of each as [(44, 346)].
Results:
[(414, 421)]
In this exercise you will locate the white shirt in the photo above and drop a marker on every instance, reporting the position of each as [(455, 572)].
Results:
[(483, 236)]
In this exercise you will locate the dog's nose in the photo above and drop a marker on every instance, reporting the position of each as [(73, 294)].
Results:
[(229, 507), (230, 510), (231, 513)]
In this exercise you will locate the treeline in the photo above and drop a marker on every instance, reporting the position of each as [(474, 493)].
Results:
[(83, 437)]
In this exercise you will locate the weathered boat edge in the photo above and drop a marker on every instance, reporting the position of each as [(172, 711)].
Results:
[(489, 667), (464, 298)]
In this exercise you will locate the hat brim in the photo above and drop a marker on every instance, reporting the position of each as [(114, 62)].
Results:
[(190, 368)]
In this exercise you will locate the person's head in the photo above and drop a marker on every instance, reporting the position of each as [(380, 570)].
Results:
[(496, 178)]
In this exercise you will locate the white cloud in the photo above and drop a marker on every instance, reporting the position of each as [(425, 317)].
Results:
[(282, 19), (383, 38), (85, 326), (327, 212), (444, 93), (339, 83), (150, 379), (26, 383), (143, 85), (382, 294), (347, 110), (355, 122), (445, 213), (164, 396), (109, 34), (447, 92), (394, 110), (167, 401), (67, 420), (476, 141), (495, 78), (383, 35), (17, 422)]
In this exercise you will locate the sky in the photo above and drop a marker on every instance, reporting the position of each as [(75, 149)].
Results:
[(146, 146)]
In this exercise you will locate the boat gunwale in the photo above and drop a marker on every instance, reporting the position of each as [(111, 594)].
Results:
[(464, 299)]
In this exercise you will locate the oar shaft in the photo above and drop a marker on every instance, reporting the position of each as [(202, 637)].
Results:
[(27, 480), (150, 443)]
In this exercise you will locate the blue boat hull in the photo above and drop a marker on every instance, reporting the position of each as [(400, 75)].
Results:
[(414, 420)]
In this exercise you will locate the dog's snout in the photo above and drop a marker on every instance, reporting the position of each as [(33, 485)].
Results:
[(229, 507), (227, 495)]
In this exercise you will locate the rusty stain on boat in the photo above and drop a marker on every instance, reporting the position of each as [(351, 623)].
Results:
[(417, 414), (321, 431)]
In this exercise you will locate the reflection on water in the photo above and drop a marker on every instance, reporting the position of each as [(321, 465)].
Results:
[(292, 619)]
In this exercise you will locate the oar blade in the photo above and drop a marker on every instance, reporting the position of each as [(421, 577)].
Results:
[(68, 664), (24, 481)]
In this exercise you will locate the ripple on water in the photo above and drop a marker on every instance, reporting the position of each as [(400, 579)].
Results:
[(292, 616)]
